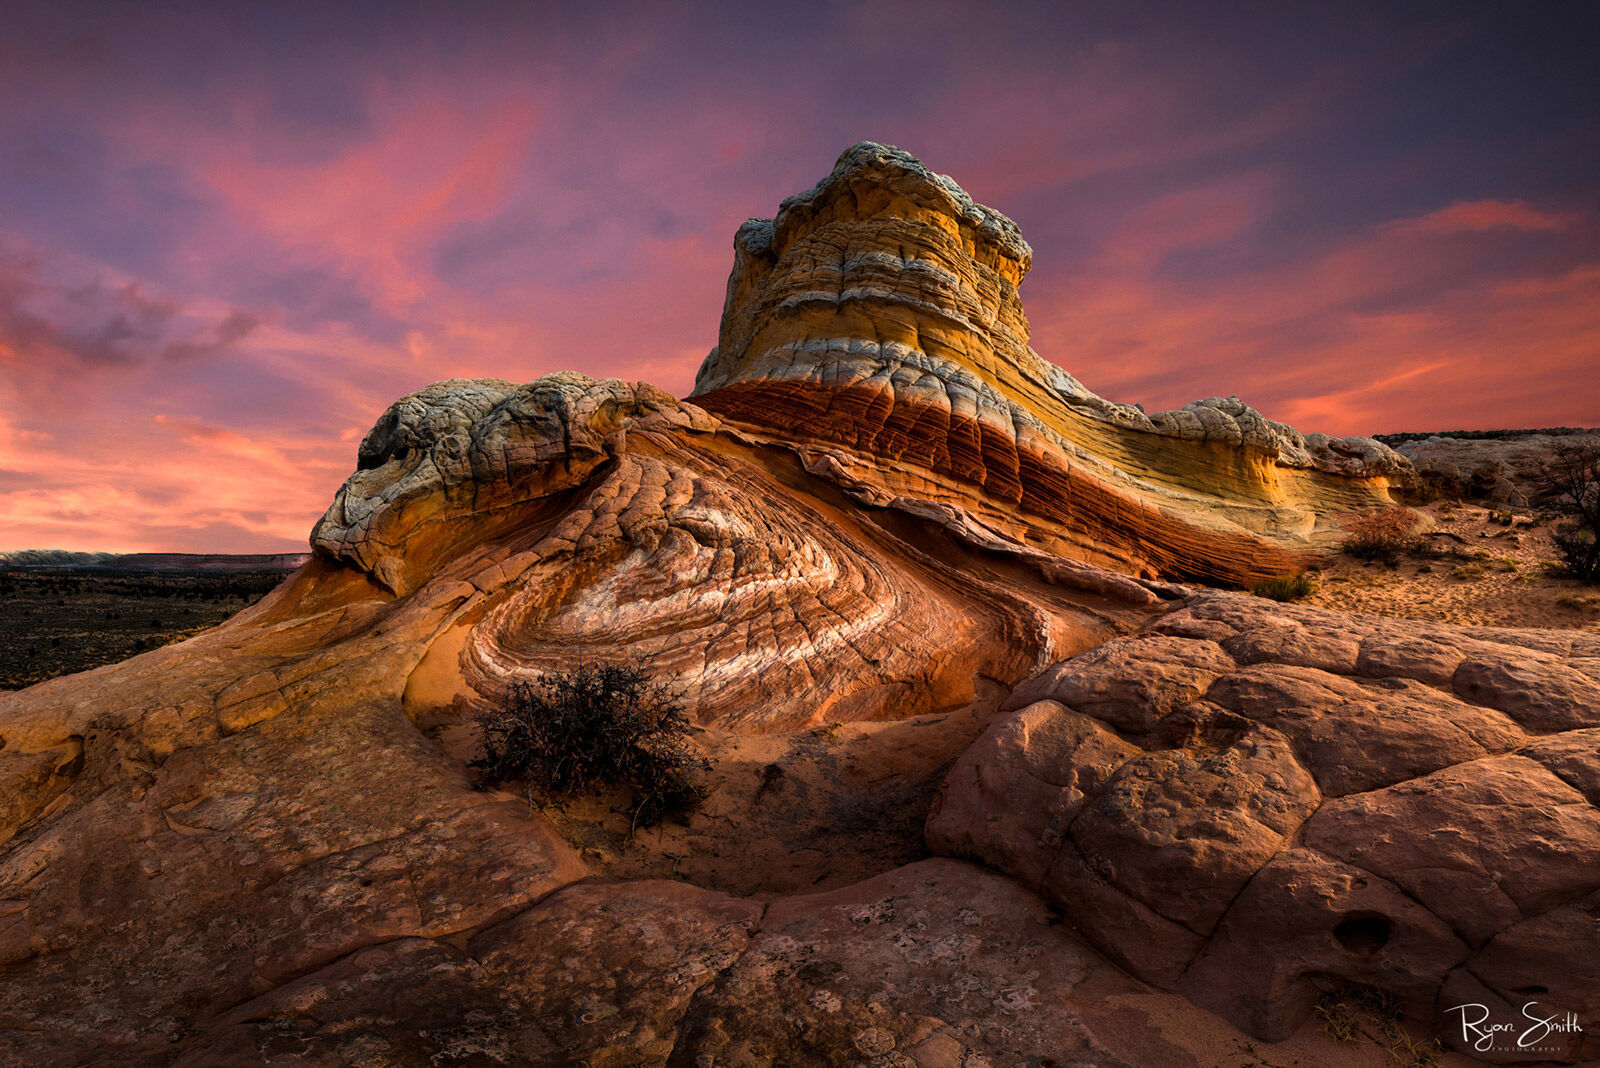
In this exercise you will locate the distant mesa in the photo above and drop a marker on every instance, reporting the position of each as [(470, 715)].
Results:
[(883, 530)]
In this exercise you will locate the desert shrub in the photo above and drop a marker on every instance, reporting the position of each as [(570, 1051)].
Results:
[(1573, 475), (1386, 535), (1286, 587), (573, 732), (1359, 1015)]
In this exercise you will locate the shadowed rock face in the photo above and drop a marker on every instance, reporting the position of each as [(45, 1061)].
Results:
[(261, 845)]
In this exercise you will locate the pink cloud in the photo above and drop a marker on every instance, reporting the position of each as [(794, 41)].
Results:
[(1384, 332), (173, 486), (1478, 215), (1189, 219), (378, 204)]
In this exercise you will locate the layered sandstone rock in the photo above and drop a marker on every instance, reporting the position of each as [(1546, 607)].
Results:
[(876, 320), (206, 824), (605, 520)]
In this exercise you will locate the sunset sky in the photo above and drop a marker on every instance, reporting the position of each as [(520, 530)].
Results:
[(232, 234)]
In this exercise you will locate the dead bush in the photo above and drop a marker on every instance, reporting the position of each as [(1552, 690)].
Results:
[(1386, 535), (573, 732), (1573, 475)]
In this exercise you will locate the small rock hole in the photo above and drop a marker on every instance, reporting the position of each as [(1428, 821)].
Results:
[(1533, 990), (1363, 934)]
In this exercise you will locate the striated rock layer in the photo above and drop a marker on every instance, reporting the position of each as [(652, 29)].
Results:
[(1195, 813), (876, 320), (604, 520)]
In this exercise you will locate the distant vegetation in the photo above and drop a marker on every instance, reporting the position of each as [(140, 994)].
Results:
[(62, 620), (576, 732), (1482, 435)]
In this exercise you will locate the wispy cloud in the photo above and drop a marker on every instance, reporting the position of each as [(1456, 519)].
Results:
[(1476, 216), (58, 325), (1412, 324)]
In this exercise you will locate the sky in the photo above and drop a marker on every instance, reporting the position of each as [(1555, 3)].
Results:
[(232, 234)]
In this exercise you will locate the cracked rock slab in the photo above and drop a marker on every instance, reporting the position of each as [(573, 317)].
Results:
[(934, 964), (1385, 803)]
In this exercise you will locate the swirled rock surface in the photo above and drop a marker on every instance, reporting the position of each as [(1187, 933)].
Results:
[(882, 520), (609, 520)]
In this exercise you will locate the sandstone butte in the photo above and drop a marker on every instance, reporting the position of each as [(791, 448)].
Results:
[(884, 540)]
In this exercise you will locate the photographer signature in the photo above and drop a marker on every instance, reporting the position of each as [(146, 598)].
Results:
[(1478, 1031)]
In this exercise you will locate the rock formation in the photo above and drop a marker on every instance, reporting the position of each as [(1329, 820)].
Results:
[(881, 518), (607, 519), (875, 322), (1506, 468)]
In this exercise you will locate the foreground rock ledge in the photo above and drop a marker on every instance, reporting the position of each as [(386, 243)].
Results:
[(1248, 801)]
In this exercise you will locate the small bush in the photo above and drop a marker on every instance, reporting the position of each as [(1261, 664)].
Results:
[(1286, 587), (573, 732), (1383, 535), (1573, 475)]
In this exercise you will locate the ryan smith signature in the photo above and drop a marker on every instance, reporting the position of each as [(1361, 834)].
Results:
[(1483, 1035)]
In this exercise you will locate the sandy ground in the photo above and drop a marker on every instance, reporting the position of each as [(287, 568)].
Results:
[(1476, 568)]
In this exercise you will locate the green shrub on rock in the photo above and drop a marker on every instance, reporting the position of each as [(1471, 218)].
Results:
[(1286, 587)]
